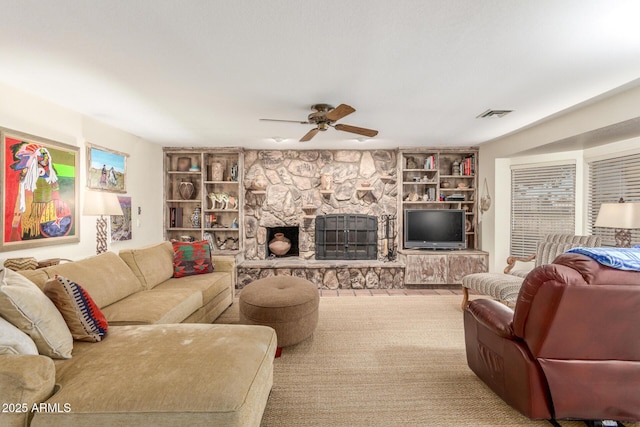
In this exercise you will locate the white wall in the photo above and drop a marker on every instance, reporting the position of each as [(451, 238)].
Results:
[(496, 158), (29, 114)]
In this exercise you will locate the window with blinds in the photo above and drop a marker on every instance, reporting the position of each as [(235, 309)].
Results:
[(542, 202), (609, 180)]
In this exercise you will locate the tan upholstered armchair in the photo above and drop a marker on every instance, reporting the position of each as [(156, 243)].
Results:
[(505, 287)]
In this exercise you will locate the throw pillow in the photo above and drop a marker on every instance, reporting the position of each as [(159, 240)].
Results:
[(14, 341), (190, 258), (24, 305), (84, 318)]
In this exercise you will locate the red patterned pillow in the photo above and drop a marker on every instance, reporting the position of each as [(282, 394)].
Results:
[(83, 317), (190, 258)]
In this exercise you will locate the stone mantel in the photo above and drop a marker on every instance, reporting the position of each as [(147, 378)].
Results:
[(293, 262)]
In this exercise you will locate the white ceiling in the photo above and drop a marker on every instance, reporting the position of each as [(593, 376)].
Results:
[(202, 72)]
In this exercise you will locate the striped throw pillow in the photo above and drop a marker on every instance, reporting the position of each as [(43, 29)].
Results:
[(83, 317)]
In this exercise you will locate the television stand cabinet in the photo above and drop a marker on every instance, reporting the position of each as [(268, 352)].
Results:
[(441, 267)]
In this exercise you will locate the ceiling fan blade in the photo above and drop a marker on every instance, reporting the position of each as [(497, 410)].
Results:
[(354, 129), (279, 120), (339, 112), (309, 135)]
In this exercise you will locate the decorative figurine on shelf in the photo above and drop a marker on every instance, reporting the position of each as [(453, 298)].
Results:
[(326, 181), (225, 201), (234, 172), (234, 224), (195, 218), (411, 163)]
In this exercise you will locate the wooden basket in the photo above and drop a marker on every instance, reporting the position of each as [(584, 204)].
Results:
[(16, 264)]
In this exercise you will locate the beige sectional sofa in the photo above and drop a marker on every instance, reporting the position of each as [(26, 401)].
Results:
[(161, 363), (136, 287)]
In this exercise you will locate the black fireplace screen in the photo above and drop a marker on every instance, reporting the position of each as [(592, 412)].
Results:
[(346, 236)]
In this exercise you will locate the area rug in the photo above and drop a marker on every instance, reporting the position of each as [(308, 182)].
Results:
[(384, 361)]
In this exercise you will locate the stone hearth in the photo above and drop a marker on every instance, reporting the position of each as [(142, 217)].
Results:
[(326, 274)]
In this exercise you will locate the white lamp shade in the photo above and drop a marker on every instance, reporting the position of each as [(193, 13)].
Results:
[(101, 203), (619, 215)]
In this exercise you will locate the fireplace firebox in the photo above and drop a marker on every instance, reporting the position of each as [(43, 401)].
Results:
[(346, 236)]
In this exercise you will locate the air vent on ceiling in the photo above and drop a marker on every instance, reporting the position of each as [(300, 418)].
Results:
[(493, 113)]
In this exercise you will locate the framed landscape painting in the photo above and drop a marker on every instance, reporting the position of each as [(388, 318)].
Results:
[(106, 169), (39, 180)]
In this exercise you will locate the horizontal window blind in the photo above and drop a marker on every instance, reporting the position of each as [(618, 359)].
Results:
[(609, 180), (542, 202)]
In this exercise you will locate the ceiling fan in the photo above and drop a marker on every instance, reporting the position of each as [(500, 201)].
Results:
[(324, 116)]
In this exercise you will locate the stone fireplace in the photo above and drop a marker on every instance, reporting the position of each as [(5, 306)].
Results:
[(284, 190)]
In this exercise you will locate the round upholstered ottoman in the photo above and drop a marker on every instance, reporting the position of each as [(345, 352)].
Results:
[(288, 304)]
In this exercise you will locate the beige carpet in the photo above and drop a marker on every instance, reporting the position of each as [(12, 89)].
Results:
[(384, 361)]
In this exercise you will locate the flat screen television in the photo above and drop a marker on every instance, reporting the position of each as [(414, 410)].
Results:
[(435, 228)]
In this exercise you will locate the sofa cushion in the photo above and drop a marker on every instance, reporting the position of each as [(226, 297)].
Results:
[(39, 276), (84, 319), (24, 305), (157, 305), (14, 341), (163, 375), (191, 258), (210, 285), (106, 277), (152, 264), (24, 380)]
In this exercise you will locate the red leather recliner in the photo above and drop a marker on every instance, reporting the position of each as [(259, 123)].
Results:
[(571, 347)]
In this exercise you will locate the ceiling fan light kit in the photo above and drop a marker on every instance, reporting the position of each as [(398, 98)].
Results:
[(324, 116)]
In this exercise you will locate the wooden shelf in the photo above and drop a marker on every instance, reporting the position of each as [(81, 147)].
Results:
[(222, 182), (441, 179), (211, 161), (184, 228)]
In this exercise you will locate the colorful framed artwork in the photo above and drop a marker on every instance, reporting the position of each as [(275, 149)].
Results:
[(106, 169), (121, 224), (39, 180)]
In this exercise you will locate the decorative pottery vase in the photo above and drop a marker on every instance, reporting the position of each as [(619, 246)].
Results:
[(279, 245), (326, 181), (186, 189), (217, 171), (195, 218), (455, 168)]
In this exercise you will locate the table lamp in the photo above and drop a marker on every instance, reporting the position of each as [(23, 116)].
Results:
[(622, 216), (101, 203)]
